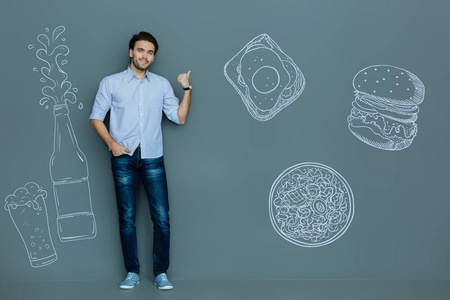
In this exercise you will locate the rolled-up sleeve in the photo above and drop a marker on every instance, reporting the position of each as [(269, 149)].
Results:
[(102, 102), (170, 103)]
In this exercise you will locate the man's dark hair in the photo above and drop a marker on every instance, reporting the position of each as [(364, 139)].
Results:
[(143, 36)]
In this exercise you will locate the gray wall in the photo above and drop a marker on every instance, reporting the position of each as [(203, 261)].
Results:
[(222, 163)]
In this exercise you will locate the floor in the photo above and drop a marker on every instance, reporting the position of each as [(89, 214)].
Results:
[(236, 290)]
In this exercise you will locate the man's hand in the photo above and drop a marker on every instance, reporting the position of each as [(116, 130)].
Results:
[(101, 130), (118, 149), (183, 79), (183, 109)]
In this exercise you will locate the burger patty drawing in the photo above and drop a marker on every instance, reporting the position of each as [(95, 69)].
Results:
[(265, 77), (385, 108)]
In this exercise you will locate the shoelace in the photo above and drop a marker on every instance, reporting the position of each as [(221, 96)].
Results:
[(163, 277), (129, 276)]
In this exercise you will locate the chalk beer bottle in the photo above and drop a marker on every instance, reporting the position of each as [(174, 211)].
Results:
[(69, 173)]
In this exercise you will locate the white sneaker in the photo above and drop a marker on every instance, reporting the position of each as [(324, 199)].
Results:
[(162, 282), (130, 281)]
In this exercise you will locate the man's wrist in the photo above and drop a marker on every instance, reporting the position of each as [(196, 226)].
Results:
[(111, 144), (187, 88)]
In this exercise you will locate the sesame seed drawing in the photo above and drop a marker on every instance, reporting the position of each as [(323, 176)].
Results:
[(385, 108), (311, 205), (265, 77)]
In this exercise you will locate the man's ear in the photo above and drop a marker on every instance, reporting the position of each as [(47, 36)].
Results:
[(131, 53)]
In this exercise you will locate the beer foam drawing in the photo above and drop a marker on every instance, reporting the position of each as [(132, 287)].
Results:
[(28, 211), (311, 205), (265, 77), (68, 165)]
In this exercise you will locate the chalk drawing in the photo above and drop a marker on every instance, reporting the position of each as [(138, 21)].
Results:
[(28, 212), (385, 108), (69, 169), (311, 205), (52, 53), (265, 77)]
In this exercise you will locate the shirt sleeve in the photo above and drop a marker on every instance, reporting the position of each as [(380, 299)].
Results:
[(170, 103), (102, 102)]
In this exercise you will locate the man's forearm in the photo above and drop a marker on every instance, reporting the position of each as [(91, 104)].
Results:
[(183, 109), (102, 132)]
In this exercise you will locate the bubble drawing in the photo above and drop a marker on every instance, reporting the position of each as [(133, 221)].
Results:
[(265, 77), (311, 205), (385, 108), (52, 53), (68, 165), (28, 212)]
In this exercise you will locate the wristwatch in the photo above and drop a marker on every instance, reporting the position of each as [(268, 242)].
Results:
[(187, 88)]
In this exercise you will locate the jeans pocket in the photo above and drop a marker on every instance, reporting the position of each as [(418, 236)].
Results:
[(118, 156), (119, 161)]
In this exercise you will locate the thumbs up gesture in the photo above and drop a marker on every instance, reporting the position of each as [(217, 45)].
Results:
[(183, 79)]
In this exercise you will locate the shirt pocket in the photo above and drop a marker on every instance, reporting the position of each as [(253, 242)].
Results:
[(154, 100), (123, 98)]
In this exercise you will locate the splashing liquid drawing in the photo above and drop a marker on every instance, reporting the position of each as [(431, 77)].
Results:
[(68, 165)]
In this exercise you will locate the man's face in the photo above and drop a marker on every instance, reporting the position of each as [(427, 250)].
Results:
[(142, 55)]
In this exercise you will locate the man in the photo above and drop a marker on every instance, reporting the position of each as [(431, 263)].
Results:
[(136, 99)]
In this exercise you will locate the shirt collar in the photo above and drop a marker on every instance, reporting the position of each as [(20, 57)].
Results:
[(129, 75)]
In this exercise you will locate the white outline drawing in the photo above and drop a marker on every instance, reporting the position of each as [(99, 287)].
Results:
[(52, 53), (28, 212), (385, 108), (311, 205), (265, 77), (69, 169)]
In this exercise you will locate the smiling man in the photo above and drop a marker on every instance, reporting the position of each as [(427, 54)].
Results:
[(136, 99)]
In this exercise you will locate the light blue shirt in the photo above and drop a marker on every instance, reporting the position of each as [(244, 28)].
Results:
[(136, 110)]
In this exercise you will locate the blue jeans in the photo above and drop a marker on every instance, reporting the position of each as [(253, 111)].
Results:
[(127, 170)]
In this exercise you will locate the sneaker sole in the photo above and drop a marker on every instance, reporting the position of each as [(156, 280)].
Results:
[(128, 287), (163, 288)]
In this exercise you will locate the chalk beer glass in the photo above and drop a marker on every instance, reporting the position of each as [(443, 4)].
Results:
[(28, 212)]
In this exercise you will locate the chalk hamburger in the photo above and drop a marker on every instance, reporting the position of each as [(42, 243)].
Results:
[(385, 108)]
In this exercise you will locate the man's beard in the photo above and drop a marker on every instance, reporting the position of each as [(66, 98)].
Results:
[(136, 63)]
